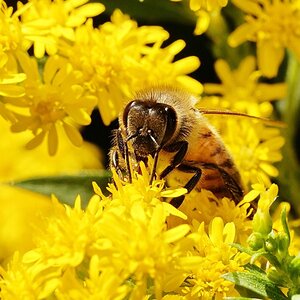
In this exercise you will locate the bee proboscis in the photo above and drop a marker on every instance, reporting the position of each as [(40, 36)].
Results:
[(164, 123)]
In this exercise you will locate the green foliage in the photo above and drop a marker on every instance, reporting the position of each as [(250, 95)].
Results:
[(282, 271), (67, 187)]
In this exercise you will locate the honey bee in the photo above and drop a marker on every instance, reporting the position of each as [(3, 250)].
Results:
[(164, 123)]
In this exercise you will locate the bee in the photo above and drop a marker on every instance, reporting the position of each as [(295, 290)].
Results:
[(164, 123)]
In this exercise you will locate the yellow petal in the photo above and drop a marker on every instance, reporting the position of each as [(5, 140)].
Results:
[(13, 78), (39, 49), (224, 72), (268, 92), (53, 65), (216, 230), (229, 233), (251, 196), (107, 113), (52, 140), (80, 14), (11, 91), (73, 134), (176, 233), (246, 68), (195, 5), (203, 20), (173, 192), (176, 47), (269, 169), (187, 65), (269, 57), (241, 34), (36, 141), (213, 88), (190, 84), (173, 211), (80, 116)]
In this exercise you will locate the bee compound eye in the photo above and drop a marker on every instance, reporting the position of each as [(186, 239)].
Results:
[(133, 104)]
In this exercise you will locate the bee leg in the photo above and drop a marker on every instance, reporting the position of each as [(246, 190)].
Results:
[(115, 163), (177, 201), (181, 149), (124, 152), (176, 163)]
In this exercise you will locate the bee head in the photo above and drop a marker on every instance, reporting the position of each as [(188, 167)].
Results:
[(149, 125)]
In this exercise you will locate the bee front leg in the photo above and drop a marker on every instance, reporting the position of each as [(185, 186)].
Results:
[(123, 147), (115, 163), (119, 156)]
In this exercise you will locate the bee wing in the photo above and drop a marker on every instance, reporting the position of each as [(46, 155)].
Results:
[(232, 186)]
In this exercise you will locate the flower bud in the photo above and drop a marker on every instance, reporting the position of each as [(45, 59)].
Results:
[(255, 241), (295, 265), (262, 222), (283, 242), (271, 244)]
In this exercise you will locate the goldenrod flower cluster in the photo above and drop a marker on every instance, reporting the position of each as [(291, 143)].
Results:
[(134, 244), (126, 245), (80, 66), (56, 68)]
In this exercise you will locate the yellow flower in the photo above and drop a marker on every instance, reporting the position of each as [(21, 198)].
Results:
[(241, 91), (10, 43), (144, 249), (98, 285), (119, 58), (158, 67), (19, 206), (217, 258), (274, 26), (126, 238), (204, 206), (55, 100), (140, 191), (203, 11), (18, 163), (45, 22), (266, 196), (131, 241), (22, 281), (69, 234), (262, 221)]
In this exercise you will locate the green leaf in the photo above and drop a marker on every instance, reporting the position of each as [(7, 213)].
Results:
[(241, 298), (285, 224), (256, 280), (67, 187), (243, 249)]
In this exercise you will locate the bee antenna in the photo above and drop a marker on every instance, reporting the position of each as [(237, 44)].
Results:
[(239, 114)]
